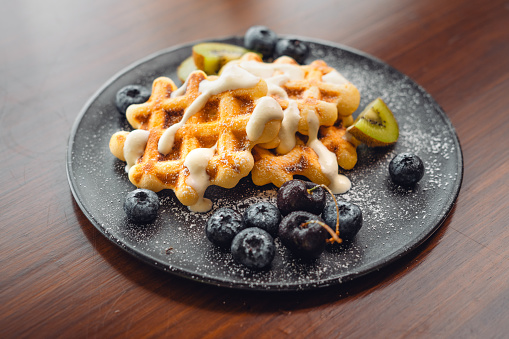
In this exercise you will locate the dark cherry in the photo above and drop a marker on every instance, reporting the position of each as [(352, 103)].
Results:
[(300, 195), (303, 240)]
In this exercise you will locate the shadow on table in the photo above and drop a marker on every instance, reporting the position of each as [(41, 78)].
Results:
[(221, 299)]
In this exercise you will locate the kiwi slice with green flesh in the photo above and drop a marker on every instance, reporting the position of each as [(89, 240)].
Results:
[(185, 68), (375, 126), (211, 56)]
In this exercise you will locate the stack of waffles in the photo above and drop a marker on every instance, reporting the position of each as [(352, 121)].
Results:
[(273, 120)]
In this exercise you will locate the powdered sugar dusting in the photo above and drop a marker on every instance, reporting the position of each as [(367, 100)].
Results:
[(395, 219)]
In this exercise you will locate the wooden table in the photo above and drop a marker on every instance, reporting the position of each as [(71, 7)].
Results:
[(61, 278)]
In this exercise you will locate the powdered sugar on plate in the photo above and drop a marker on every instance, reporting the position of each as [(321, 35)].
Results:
[(396, 220)]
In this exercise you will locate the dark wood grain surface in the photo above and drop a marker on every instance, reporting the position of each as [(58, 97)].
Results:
[(59, 277)]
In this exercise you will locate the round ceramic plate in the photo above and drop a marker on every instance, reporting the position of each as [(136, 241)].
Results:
[(396, 220)]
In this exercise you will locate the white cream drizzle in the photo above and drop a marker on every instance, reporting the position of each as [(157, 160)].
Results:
[(334, 77), (267, 109), (291, 115), (274, 86), (246, 75), (289, 127), (266, 71), (196, 162), (327, 159), (181, 90), (232, 78), (134, 146)]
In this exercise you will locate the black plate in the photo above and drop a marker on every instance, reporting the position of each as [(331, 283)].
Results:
[(396, 220)]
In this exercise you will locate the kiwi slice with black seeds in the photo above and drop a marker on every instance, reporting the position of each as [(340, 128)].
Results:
[(375, 126)]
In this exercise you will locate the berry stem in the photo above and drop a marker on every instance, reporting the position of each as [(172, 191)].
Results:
[(335, 237), (331, 240)]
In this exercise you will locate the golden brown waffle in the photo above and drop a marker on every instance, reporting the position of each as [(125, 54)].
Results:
[(322, 95), (332, 102), (302, 160), (221, 122)]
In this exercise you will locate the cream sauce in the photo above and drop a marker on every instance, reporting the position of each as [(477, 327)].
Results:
[(334, 77), (231, 79), (327, 159), (134, 146), (276, 75), (289, 127), (267, 109), (246, 75), (265, 71), (196, 162), (181, 90), (274, 86)]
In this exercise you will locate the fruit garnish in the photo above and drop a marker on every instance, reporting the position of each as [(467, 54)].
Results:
[(141, 206), (346, 215), (253, 248), (300, 195), (185, 68), (302, 233), (260, 39), (223, 226), (263, 215), (375, 126), (211, 56), (129, 95), (293, 48), (406, 169)]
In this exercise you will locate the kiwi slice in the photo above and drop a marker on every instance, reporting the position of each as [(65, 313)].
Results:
[(376, 125), (185, 68), (211, 56)]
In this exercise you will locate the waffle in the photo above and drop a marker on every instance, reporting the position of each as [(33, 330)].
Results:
[(321, 102), (302, 160), (319, 89), (217, 131)]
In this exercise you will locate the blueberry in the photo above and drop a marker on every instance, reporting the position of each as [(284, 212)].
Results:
[(305, 241), (293, 48), (263, 215), (223, 226), (253, 248), (350, 219), (260, 39), (406, 169), (141, 206), (131, 94), (300, 195)]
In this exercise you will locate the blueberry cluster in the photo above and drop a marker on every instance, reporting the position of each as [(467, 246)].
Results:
[(250, 237), (264, 41), (300, 220)]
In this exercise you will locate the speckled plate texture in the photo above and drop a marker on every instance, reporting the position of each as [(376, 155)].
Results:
[(396, 220)]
